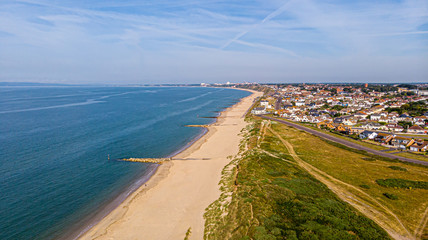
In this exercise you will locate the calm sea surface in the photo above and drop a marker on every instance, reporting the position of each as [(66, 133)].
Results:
[(54, 143)]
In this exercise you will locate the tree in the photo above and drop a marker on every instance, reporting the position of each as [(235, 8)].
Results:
[(405, 125)]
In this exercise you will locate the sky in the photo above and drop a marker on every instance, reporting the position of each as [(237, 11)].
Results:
[(213, 41)]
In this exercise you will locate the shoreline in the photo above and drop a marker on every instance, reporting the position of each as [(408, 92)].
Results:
[(143, 183), (162, 172), (91, 220), (78, 230)]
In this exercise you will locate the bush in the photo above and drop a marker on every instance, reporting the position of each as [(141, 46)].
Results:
[(390, 196), (398, 168), (369, 159), (365, 186), (402, 183)]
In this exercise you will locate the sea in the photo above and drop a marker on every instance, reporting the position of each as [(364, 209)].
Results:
[(60, 149)]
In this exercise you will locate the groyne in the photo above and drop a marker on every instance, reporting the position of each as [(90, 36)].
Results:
[(147, 160)]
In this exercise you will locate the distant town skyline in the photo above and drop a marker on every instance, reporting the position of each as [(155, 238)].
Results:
[(213, 41)]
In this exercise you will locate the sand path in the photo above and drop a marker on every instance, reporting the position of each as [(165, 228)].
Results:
[(175, 199), (363, 202)]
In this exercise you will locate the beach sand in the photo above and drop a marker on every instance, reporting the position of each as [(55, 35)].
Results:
[(176, 197)]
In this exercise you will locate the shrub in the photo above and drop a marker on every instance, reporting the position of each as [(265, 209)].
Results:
[(402, 183), (390, 196), (369, 159), (365, 186), (398, 168)]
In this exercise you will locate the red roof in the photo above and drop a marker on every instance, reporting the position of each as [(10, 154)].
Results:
[(416, 127)]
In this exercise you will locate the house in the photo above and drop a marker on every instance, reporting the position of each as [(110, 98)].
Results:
[(383, 138), (258, 110), (404, 118), (368, 135), (298, 118), (300, 103), (343, 129), (394, 128), (416, 129), (420, 146), (373, 126), (350, 121), (402, 142), (264, 103), (322, 124), (375, 117), (420, 120), (360, 114), (332, 125), (338, 120), (356, 130), (315, 120)]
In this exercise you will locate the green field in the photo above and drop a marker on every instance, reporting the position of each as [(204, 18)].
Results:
[(355, 169), (266, 195), (364, 143), (412, 155), (288, 184)]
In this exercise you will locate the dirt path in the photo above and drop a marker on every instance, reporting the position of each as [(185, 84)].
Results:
[(263, 128), (420, 229), (367, 205)]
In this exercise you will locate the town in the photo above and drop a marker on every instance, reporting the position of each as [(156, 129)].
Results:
[(394, 116)]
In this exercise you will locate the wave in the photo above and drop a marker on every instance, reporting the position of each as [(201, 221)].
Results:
[(196, 97), (117, 94), (87, 102), (120, 133), (45, 97), (153, 121), (75, 95)]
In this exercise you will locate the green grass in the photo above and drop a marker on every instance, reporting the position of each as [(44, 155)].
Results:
[(390, 196), (402, 183), (398, 168), (268, 197), (360, 168), (362, 143), (413, 156)]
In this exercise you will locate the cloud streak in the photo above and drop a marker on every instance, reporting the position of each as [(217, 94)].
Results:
[(267, 18)]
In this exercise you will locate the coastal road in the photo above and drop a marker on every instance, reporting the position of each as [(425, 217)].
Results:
[(345, 142)]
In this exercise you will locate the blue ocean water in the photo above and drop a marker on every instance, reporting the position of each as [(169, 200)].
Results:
[(54, 143)]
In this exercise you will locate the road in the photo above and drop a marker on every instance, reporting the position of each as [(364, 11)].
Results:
[(345, 142)]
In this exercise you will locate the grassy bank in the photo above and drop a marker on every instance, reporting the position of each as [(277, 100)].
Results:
[(267, 194), (356, 172)]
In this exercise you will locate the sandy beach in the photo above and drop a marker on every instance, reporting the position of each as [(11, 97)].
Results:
[(175, 198)]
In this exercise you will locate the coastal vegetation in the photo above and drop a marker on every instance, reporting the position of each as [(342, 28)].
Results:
[(402, 183), (398, 168), (288, 184)]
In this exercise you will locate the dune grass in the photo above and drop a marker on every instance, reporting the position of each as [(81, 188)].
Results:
[(267, 195), (358, 168)]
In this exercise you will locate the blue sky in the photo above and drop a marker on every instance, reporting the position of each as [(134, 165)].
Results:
[(194, 41)]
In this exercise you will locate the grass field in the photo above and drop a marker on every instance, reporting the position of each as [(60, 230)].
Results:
[(354, 170), (268, 195), (288, 184), (362, 143), (412, 155), (366, 144)]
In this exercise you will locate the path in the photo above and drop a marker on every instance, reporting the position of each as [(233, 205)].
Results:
[(367, 204)]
